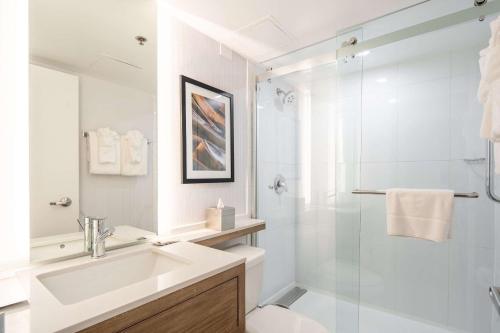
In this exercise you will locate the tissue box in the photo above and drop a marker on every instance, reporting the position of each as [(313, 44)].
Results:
[(220, 219)]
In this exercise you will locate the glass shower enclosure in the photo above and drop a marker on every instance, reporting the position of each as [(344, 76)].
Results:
[(392, 104)]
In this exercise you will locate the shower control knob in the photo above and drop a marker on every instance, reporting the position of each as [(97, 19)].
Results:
[(280, 185)]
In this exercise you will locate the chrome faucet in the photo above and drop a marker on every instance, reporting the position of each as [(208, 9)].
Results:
[(87, 234), (97, 235)]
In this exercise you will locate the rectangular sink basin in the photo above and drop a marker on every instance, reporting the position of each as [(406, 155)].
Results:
[(75, 284)]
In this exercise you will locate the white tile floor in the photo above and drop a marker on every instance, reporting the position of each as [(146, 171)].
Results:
[(325, 309), (317, 306)]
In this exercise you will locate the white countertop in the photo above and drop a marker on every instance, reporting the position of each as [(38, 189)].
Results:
[(49, 249), (45, 313), (200, 234)]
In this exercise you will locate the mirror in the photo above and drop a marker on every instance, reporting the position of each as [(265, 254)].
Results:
[(92, 122)]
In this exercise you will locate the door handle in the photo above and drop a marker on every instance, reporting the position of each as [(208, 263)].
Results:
[(495, 298), (64, 202)]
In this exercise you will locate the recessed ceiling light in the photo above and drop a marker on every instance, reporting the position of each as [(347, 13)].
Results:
[(392, 101), (382, 80), (141, 39)]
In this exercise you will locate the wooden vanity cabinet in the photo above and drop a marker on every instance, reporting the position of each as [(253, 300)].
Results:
[(216, 304)]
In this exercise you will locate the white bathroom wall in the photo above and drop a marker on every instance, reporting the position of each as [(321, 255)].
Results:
[(123, 200), (185, 51), (14, 133)]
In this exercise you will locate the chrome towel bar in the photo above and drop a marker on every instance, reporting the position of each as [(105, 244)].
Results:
[(470, 195), (85, 134)]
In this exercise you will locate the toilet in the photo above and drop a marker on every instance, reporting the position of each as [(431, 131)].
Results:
[(270, 318)]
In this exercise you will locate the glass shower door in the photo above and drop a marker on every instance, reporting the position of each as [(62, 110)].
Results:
[(400, 113), (311, 142), (347, 178), (420, 129)]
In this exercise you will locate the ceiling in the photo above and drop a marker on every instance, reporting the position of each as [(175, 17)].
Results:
[(96, 37), (264, 29)]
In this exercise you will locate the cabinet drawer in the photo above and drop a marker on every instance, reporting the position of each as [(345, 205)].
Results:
[(216, 304), (215, 310)]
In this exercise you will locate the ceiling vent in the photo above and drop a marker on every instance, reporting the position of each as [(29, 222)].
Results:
[(264, 35), (121, 61)]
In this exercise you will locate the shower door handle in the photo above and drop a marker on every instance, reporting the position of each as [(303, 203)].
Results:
[(495, 298), (490, 173)]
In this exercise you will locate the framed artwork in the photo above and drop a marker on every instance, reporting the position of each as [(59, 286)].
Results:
[(207, 133)]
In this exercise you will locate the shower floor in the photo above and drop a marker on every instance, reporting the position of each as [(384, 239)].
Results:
[(325, 309)]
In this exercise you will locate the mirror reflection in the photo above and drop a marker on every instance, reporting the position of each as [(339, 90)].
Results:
[(92, 122)]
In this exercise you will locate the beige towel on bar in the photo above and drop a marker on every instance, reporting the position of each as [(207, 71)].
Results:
[(425, 214)]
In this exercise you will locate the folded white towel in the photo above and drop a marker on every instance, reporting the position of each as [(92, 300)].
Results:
[(108, 144), (489, 90), (425, 214), (482, 93), (134, 155), (491, 68), (135, 141), (495, 32), (11, 290), (93, 154)]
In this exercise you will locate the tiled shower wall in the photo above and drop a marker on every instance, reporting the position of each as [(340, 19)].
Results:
[(316, 183), (298, 142), (276, 154)]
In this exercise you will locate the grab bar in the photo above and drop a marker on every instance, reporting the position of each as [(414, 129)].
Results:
[(490, 174), (470, 195)]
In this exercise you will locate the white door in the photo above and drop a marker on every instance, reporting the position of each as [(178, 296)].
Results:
[(54, 152)]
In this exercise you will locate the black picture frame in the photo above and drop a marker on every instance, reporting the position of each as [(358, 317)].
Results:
[(187, 143)]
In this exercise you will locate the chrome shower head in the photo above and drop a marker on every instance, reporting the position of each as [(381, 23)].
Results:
[(286, 97)]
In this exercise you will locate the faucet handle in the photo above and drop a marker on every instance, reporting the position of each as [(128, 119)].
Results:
[(106, 233), (99, 235)]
